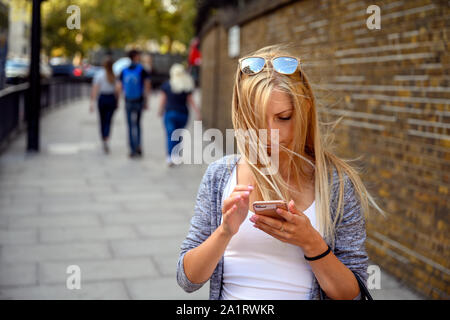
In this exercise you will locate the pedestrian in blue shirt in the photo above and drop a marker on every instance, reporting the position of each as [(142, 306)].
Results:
[(135, 83), (176, 95)]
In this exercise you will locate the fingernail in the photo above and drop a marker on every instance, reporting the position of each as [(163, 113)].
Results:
[(250, 187), (237, 197), (246, 193), (278, 210), (292, 203)]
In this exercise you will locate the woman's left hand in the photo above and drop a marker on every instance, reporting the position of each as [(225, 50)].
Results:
[(295, 229)]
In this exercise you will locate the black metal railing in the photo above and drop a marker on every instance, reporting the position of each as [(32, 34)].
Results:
[(54, 93)]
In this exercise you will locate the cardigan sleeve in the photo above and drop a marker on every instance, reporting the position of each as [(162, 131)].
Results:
[(199, 231), (350, 234)]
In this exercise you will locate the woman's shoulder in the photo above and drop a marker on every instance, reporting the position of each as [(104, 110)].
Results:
[(351, 201), (337, 178), (224, 162), (222, 166), (99, 75), (214, 180)]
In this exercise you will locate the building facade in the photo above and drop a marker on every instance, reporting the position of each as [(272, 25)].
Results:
[(19, 30)]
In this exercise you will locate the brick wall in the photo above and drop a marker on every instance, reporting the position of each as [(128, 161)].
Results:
[(393, 87)]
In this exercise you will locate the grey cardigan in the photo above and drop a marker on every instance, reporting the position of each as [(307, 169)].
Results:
[(350, 232)]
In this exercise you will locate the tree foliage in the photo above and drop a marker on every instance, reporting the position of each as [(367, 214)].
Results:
[(115, 24)]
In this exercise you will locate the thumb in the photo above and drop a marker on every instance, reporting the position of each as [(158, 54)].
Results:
[(293, 209)]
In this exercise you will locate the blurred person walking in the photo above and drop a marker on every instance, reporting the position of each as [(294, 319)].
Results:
[(104, 90), (195, 60), (176, 94), (135, 84)]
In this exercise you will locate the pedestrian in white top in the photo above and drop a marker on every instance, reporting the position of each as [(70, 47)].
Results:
[(104, 90)]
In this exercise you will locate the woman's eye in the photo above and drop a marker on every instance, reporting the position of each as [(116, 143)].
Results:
[(284, 118)]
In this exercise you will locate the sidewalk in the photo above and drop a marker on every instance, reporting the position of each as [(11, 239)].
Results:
[(120, 220)]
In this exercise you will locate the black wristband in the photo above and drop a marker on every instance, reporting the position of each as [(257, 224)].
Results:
[(319, 256)]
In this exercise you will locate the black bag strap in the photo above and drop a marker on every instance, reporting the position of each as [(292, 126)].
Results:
[(365, 295)]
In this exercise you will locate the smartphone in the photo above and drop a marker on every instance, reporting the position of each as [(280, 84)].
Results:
[(268, 208)]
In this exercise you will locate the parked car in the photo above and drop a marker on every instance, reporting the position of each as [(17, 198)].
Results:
[(66, 70), (61, 70), (17, 70)]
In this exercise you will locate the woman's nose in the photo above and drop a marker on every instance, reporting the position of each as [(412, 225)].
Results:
[(269, 134), (269, 126)]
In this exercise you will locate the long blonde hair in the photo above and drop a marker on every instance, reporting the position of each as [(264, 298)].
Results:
[(180, 80), (309, 145)]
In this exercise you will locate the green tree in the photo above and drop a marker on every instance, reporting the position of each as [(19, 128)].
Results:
[(116, 23)]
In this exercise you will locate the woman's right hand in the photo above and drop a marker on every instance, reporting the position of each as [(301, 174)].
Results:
[(235, 209)]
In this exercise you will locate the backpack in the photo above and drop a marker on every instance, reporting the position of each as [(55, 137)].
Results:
[(132, 82)]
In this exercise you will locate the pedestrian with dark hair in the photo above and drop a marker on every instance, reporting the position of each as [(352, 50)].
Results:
[(104, 90), (135, 84)]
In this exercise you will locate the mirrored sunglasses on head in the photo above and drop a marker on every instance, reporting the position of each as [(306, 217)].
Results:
[(281, 64)]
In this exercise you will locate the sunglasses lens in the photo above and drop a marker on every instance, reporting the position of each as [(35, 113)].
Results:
[(285, 65), (252, 65)]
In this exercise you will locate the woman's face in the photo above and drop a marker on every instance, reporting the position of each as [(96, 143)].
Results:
[(279, 116)]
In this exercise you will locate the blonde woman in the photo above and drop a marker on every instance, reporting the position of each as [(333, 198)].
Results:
[(176, 95), (317, 249)]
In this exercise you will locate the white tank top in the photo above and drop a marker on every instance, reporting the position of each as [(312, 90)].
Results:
[(258, 266)]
